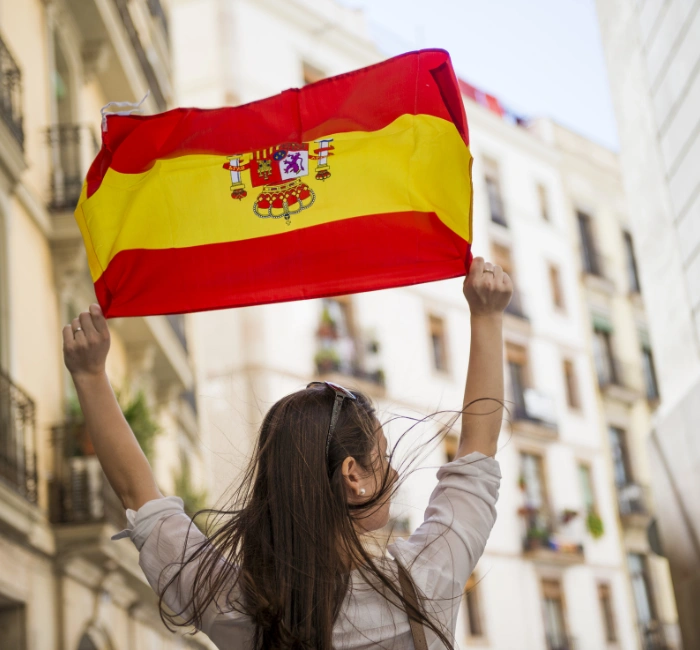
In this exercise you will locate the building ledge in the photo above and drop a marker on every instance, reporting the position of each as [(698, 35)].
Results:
[(24, 521), (599, 284), (369, 388), (544, 555), (534, 429), (620, 393)]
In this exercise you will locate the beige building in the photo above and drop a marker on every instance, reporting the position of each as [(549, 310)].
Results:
[(623, 362), (653, 56), (63, 584)]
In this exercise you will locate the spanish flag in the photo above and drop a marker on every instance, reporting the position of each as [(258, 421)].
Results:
[(357, 182)]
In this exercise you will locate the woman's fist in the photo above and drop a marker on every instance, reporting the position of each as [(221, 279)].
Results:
[(487, 288), (86, 343)]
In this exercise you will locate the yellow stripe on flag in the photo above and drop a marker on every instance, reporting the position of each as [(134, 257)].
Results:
[(418, 162)]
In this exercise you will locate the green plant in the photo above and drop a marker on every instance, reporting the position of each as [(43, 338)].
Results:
[(538, 533), (194, 500), (594, 524), (138, 416), (521, 482), (326, 359)]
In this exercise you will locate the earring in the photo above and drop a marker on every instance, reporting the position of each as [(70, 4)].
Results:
[(362, 492)]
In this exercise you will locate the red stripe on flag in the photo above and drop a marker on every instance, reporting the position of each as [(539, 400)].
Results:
[(363, 100), (360, 254)]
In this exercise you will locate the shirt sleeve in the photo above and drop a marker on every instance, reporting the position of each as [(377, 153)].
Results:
[(165, 538), (443, 551)]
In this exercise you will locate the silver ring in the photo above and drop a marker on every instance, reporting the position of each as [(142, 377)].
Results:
[(77, 329), (489, 271)]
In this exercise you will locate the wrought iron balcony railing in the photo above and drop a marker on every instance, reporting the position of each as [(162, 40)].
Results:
[(70, 145), (633, 499), (11, 93), (536, 407), (17, 439), (560, 642), (79, 491)]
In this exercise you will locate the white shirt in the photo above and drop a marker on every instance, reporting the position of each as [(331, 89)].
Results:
[(440, 556)]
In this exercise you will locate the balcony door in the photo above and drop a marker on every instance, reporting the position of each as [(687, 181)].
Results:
[(554, 618)]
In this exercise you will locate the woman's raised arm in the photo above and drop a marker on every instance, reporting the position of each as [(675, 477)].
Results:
[(488, 291), (85, 348)]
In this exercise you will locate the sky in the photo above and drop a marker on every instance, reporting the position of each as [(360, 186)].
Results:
[(539, 57)]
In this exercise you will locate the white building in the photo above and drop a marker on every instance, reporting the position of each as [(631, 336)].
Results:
[(653, 55), (545, 581)]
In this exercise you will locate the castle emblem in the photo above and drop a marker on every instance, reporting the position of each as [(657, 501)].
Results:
[(279, 172)]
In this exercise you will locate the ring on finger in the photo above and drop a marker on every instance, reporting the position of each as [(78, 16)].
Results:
[(77, 329), (489, 271)]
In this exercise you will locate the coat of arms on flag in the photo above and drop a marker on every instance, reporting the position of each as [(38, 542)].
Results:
[(279, 171)]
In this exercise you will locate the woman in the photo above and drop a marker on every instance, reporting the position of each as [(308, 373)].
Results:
[(285, 566)]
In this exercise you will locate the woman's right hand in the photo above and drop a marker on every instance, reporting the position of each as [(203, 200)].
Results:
[(487, 288), (86, 343)]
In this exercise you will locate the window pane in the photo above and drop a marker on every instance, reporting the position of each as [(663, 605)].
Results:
[(544, 204), (588, 251), (618, 448), (640, 588), (438, 343), (632, 275), (534, 483), (472, 608), (584, 472), (607, 610), (571, 384)]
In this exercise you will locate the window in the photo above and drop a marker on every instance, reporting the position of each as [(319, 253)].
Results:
[(555, 284), (12, 624), (502, 258), (438, 343), (591, 263), (603, 357), (652, 387), (586, 481), (544, 204), (554, 621), (572, 397), (606, 608), (337, 350), (493, 190), (517, 367), (620, 456), (472, 608), (534, 487), (312, 74), (632, 275), (637, 565)]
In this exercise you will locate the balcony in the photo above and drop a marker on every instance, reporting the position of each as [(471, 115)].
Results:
[(79, 491), (549, 541), (535, 415), (11, 94), (344, 358), (613, 380), (635, 505), (560, 642), (18, 468), (72, 147), (654, 636)]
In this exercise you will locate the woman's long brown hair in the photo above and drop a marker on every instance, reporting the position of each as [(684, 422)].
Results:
[(283, 551)]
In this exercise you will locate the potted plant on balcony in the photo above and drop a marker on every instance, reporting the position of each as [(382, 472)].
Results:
[(328, 328), (536, 538), (327, 360), (594, 524)]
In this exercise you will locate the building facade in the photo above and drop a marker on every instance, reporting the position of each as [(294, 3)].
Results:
[(63, 584), (653, 56), (557, 572)]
